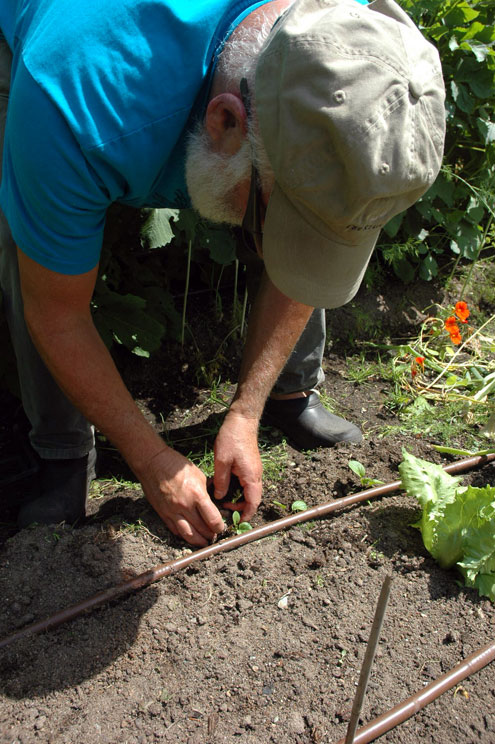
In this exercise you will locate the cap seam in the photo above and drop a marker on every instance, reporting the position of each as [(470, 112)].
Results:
[(345, 51)]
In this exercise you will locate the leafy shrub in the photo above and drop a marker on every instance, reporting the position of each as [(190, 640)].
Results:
[(454, 216)]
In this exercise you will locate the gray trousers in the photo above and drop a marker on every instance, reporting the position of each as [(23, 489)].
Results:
[(58, 430)]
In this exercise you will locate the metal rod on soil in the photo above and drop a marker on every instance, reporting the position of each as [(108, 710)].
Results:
[(166, 569), (368, 659), (423, 697)]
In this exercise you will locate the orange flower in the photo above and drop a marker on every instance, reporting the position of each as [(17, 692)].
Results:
[(414, 371), (451, 324), (421, 361), (456, 337), (462, 311)]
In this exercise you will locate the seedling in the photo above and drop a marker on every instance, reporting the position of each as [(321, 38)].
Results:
[(296, 506), (239, 527), (359, 469)]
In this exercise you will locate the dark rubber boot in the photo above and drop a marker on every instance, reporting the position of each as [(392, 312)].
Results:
[(307, 422), (63, 488)]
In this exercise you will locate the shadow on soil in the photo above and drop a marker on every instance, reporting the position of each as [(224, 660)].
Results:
[(52, 575)]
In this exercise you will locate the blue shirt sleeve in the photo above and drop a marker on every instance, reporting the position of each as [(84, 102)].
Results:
[(53, 200)]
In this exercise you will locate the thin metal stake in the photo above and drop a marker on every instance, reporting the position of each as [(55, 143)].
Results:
[(368, 659)]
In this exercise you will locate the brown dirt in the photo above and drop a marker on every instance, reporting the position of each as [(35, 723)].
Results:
[(209, 654)]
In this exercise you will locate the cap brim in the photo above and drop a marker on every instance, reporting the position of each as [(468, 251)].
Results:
[(307, 266)]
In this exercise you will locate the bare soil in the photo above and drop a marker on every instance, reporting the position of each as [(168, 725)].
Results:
[(211, 654)]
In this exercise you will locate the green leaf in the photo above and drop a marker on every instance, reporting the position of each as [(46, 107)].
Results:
[(404, 270), (393, 225), (244, 527), (444, 189), (123, 318), (467, 240), (428, 268), (486, 129), (459, 15), (435, 490), (463, 100), (457, 523), (157, 230), (480, 51), (299, 506), (357, 467), (221, 245), (188, 222), (475, 210)]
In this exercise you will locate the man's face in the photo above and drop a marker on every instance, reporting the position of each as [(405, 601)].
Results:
[(218, 183)]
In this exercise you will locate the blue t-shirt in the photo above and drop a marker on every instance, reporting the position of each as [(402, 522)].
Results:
[(102, 95)]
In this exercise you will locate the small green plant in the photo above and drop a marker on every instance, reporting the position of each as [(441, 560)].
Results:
[(359, 469), (296, 506), (239, 527)]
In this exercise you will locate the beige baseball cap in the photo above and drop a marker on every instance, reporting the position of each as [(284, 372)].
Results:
[(350, 103)]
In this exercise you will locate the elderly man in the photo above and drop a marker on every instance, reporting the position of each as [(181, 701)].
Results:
[(310, 124)]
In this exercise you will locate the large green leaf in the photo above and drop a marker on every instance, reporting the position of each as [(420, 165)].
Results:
[(157, 230), (123, 318), (457, 523)]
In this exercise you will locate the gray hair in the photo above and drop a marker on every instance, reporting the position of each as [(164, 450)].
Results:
[(238, 60), (213, 178)]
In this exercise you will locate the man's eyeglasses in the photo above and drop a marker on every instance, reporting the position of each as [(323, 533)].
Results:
[(252, 233)]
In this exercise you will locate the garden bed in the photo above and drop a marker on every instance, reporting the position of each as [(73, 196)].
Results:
[(212, 654)]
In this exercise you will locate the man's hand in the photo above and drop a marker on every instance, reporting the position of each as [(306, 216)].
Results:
[(236, 452), (57, 310), (176, 489)]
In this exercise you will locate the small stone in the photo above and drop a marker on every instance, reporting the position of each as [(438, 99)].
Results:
[(451, 637), (39, 723), (296, 723), (243, 604)]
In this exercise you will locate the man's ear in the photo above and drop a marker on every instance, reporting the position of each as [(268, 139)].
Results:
[(226, 122)]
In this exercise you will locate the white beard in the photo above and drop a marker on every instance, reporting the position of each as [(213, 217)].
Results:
[(212, 178)]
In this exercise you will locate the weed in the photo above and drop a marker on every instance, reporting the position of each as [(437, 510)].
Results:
[(136, 528), (101, 486), (359, 469), (54, 537), (361, 370), (444, 379)]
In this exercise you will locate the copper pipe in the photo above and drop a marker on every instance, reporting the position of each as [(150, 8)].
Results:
[(166, 569), (420, 699)]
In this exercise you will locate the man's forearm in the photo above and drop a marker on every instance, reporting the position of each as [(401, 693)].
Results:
[(275, 326), (83, 368)]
